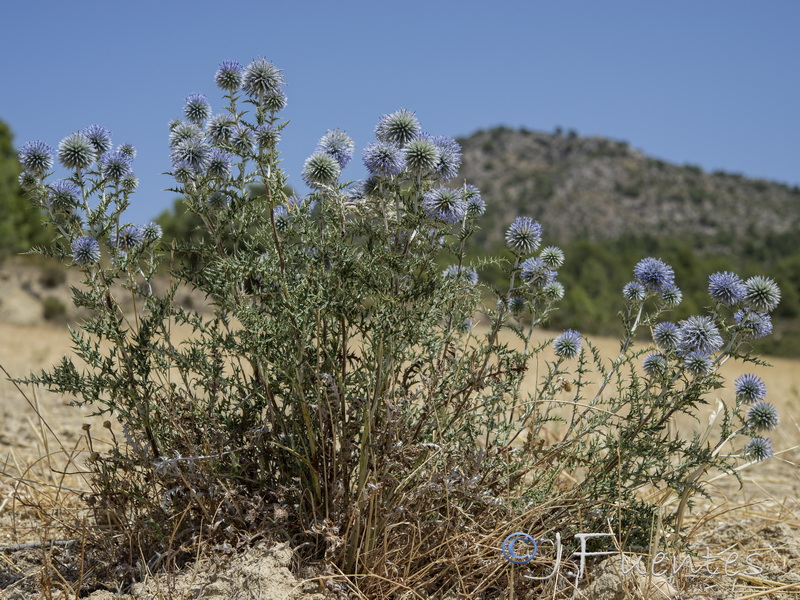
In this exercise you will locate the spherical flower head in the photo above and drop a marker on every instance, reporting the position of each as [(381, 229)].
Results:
[(229, 75), (321, 170), (761, 294), (752, 323), (267, 136), (697, 363), (750, 388), (115, 165), (182, 131), (242, 141), (462, 273), (654, 364), (553, 291), (85, 251), (275, 102), (262, 80), (524, 235), (76, 152), (449, 157), (183, 172), (422, 156), (475, 204), (220, 129), (763, 416), (283, 219), (28, 182), (553, 257), (100, 138), (129, 183), (384, 159), (444, 204), (672, 296), (64, 196), (192, 152), (36, 157), (127, 150), (219, 164), (217, 200), (654, 274), (758, 448), (128, 237), (699, 334), (568, 344), (151, 232), (517, 304), (634, 292), (399, 127), (726, 287), (535, 273), (338, 145), (666, 335)]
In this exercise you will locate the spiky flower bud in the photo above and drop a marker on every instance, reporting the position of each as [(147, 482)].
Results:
[(399, 127), (321, 170), (758, 448), (219, 164), (698, 363), (229, 75), (262, 79), (422, 157), (761, 293), (666, 336), (462, 273), (444, 204), (220, 129), (634, 292), (552, 256), (115, 165), (655, 365), (672, 296), (654, 274), (726, 287), (568, 344), (699, 334), (64, 196), (337, 144), (535, 273), (763, 416), (753, 324), (524, 235), (85, 251), (476, 206), (100, 138), (384, 159), (76, 152), (36, 157)]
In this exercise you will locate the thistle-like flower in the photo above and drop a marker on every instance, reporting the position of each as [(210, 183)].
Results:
[(654, 364), (128, 150), (151, 232), (666, 335), (422, 156), (553, 257), (36, 157), (129, 183), (399, 127), (553, 291), (475, 204), (219, 164), (76, 152), (183, 172), (115, 165), (242, 141), (64, 196), (524, 235), (338, 145), (568, 344), (229, 75), (275, 102), (267, 136), (449, 157), (283, 219), (192, 152), (127, 237), (758, 448), (181, 131), (726, 287), (753, 324), (672, 296), (761, 294), (698, 363), (763, 416), (262, 80), (654, 274), (634, 292), (750, 388), (535, 273), (516, 304), (462, 273), (197, 109), (85, 251), (220, 129), (321, 170), (444, 204), (699, 334), (100, 138), (384, 159)]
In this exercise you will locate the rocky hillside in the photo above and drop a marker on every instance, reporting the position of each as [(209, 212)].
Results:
[(596, 188)]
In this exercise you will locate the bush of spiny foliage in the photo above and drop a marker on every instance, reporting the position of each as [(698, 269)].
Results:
[(347, 393)]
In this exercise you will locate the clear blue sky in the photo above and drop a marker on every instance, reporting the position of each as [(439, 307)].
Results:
[(713, 83)]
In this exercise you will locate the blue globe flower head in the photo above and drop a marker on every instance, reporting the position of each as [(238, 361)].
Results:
[(554, 291), (553, 257), (64, 197), (183, 172), (524, 235), (758, 448), (462, 273), (449, 157), (568, 344), (726, 287), (422, 156), (699, 334), (698, 363), (536, 273), (763, 416), (100, 138), (321, 170), (28, 182), (475, 204), (261, 80), (242, 141), (115, 165), (192, 152), (752, 323), (76, 152), (85, 251), (127, 237), (129, 183), (338, 145), (36, 157), (217, 200), (750, 388), (267, 136), (180, 132), (197, 109), (444, 204), (672, 296), (283, 219), (761, 294), (383, 159), (654, 274), (666, 335), (655, 365), (399, 127), (634, 292), (275, 102), (229, 75), (128, 150), (220, 129), (219, 164), (151, 232), (517, 304)]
